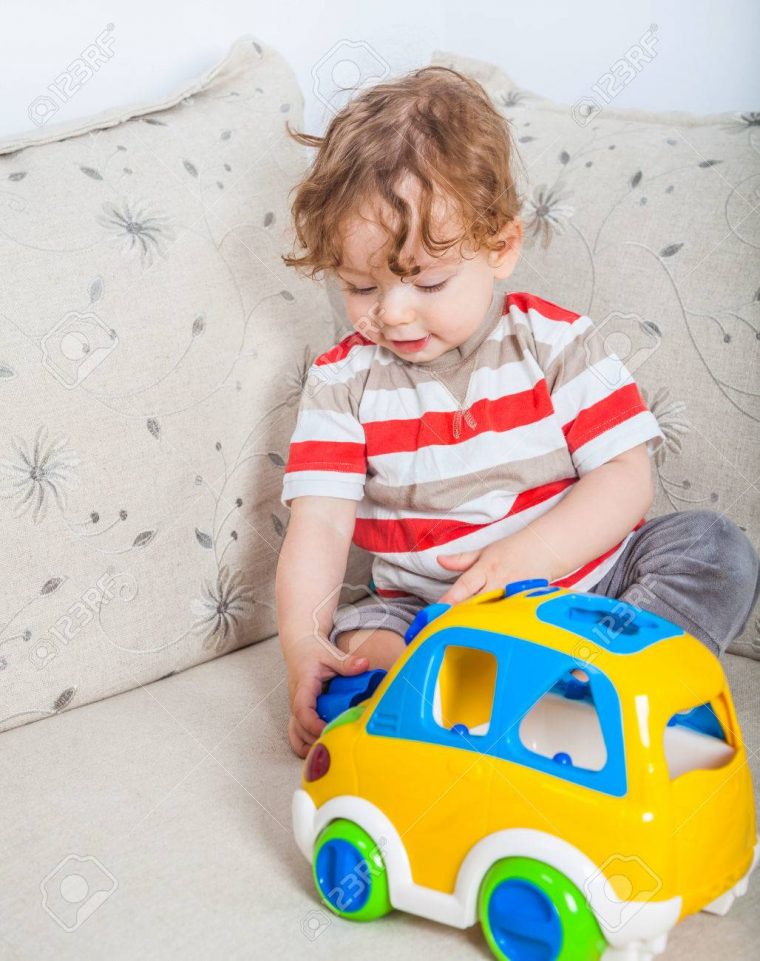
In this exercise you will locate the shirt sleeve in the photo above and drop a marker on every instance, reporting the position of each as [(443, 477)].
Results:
[(328, 454), (595, 397)]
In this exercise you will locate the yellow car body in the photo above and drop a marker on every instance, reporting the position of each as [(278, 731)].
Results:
[(652, 821)]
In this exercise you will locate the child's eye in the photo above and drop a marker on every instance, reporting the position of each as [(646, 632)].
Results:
[(435, 287), (363, 291)]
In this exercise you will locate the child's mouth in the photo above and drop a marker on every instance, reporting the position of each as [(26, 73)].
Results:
[(410, 346)]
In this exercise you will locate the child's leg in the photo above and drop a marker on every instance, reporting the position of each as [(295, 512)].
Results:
[(375, 628), (696, 568), (380, 646)]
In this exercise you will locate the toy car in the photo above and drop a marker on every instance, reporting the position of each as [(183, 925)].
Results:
[(563, 767)]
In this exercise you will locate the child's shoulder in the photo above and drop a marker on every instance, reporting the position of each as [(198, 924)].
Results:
[(521, 305), (352, 347), (347, 363), (543, 326), (544, 329)]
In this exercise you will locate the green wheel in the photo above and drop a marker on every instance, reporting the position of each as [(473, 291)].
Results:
[(350, 873), (531, 912)]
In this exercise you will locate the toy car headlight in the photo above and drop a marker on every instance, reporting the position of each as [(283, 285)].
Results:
[(317, 762)]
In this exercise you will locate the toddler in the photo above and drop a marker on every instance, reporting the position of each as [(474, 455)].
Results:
[(465, 435)]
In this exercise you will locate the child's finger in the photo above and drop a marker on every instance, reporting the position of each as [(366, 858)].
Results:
[(298, 741), (304, 704), (353, 664), (472, 582), (342, 662), (458, 562)]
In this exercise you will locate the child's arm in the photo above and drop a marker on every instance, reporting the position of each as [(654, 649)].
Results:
[(597, 513), (310, 571)]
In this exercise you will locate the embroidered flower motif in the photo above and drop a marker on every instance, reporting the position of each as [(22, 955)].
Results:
[(743, 121), (513, 98), (137, 227), (670, 417), (33, 477), (547, 212), (220, 607)]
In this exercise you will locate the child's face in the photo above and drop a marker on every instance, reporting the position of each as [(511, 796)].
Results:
[(433, 312)]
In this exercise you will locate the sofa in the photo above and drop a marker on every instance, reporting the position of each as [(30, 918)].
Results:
[(153, 353)]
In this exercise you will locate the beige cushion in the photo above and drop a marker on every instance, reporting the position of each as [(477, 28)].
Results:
[(181, 791), (140, 480), (654, 229)]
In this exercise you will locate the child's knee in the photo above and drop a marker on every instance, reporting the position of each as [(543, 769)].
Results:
[(727, 549), (371, 641), (731, 563)]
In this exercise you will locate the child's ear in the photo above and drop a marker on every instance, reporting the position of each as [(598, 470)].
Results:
[(504, 261)]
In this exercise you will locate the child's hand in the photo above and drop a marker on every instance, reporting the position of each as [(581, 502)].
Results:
[(310, 663), (490, 567)]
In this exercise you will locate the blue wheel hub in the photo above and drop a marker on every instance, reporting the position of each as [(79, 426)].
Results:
[(524, 922), (340, 877)]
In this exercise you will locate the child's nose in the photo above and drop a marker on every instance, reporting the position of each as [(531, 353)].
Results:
[(394, 310)]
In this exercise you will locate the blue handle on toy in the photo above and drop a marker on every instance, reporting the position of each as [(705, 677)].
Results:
[(343, 692), (517, 587)]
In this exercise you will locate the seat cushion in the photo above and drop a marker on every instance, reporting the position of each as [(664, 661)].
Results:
[(648, 223), (177, 796)]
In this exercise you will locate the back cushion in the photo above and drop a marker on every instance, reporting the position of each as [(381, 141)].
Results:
[(152, 353)]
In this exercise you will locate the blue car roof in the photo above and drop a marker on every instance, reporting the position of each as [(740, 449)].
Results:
[(615, 625)]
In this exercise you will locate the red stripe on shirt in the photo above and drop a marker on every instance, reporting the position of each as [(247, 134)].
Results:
[(420, 533), (392, 592), (625, 402), (436, 427), (551, 311), (343, 456), (339, 351)]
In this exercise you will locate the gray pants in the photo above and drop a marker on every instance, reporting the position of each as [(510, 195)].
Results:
[(695, 568)]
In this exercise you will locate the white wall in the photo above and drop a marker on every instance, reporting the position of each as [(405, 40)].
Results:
[(706, 52)]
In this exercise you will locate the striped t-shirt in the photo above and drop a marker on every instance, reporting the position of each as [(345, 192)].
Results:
[(542, 403)]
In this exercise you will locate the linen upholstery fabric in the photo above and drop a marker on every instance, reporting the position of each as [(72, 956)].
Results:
[(653, 230), (140, 476)]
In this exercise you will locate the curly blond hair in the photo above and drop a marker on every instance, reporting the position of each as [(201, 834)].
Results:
[(435, 125)]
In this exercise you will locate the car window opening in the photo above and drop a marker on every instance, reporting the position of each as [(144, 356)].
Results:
[(464, 690), (695, 739), (564, 725)]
